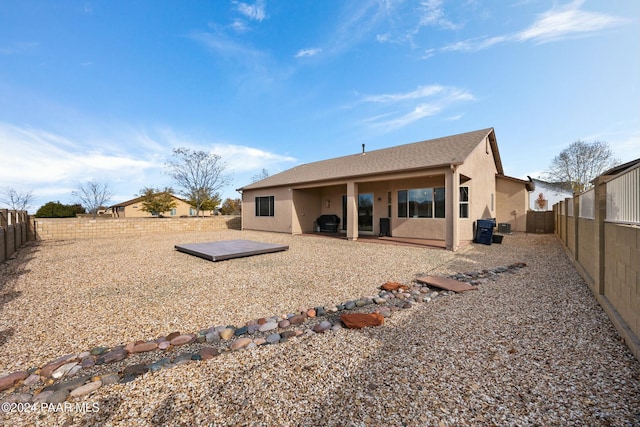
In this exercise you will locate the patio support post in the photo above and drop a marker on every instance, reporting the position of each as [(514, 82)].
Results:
[(452, 211), (352, 210)]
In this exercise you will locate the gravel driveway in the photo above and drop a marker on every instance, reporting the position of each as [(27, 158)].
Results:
[(532, 348)]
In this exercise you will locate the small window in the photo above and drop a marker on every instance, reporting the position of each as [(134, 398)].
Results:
[(402, 203), (265, 206), (192, 211), (174, 212), (464, 202), (439, 202)]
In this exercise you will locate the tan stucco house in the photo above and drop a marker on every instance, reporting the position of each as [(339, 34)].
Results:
[(133, 209), (433, 189)]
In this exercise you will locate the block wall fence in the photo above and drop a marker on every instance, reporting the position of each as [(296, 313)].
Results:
[(87, 228), (15, 231), (600, 232)]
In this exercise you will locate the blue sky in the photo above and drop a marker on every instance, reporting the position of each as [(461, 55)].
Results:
[(104, 90)]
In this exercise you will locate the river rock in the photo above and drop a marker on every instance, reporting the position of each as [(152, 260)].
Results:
[(297, 319), (268, 326), (182, 340), (208, 353), (63, 370), (114, 356), (227, 333), (240, 343), (8, 380), (284, 323), (86, 389), (322, 326), (143, 347), (273, 338), (48, 369)]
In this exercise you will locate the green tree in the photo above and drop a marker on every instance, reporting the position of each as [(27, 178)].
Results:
[(156, 201), (199, 175), (231, 207), (580, 163), (208, 203), (59, 210)]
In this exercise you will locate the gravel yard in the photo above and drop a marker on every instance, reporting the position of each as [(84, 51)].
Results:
[(532, 348)]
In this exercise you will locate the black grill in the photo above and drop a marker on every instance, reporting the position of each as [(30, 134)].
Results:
[(328, 223)]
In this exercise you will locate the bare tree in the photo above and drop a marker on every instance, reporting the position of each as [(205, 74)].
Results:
[(199, 175), (264, 173), (580, 163), (16, 201), (93, 195)]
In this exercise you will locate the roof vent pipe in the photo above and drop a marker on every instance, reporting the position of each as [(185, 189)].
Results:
[(362, 148)]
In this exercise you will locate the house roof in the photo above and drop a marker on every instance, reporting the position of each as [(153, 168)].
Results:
[(530, 184), (449, 150), (621, 168), (140, 199)]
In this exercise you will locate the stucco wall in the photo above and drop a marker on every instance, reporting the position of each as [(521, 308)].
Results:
[(282, 219), (480, 167), (82, 228), (512, 199), (622, 272)]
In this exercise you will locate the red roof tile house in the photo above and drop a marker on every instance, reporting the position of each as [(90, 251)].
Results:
[(433, 189)]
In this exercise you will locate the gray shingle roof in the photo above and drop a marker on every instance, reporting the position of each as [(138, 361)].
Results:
[(418, 155)]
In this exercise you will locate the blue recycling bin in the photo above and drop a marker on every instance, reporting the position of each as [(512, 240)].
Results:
[(484, 231)]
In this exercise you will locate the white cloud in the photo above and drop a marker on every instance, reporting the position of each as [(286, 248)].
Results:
[(52, 165), (558, 23), (433, 99), (255, 11), (432, 14), (304, 53), (420, 92), (567, 21)]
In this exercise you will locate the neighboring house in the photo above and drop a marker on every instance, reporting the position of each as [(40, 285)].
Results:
[(551, 192), (433, 189), (133, 209)]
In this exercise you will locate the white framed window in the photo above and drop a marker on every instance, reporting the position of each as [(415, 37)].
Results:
[(464, 202)]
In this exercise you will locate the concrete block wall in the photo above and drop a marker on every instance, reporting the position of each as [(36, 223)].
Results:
[(607, 256), (622, 272), (82, 228)]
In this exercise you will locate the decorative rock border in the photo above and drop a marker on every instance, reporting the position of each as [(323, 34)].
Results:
[(103, 366)]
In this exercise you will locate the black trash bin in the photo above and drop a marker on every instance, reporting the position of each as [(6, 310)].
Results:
[(385, 227), (484, 231)]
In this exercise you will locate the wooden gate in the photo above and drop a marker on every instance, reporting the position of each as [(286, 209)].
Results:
[(540, 222)]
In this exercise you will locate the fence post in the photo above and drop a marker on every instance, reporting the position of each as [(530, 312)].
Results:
[(600, 214), (4, 218)]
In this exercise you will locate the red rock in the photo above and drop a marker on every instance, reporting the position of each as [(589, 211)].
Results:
[(393, 286), (311, 312), (262, 321), (297, 319), (144, 346), (183, 339), (8, 380), (361, 320)]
